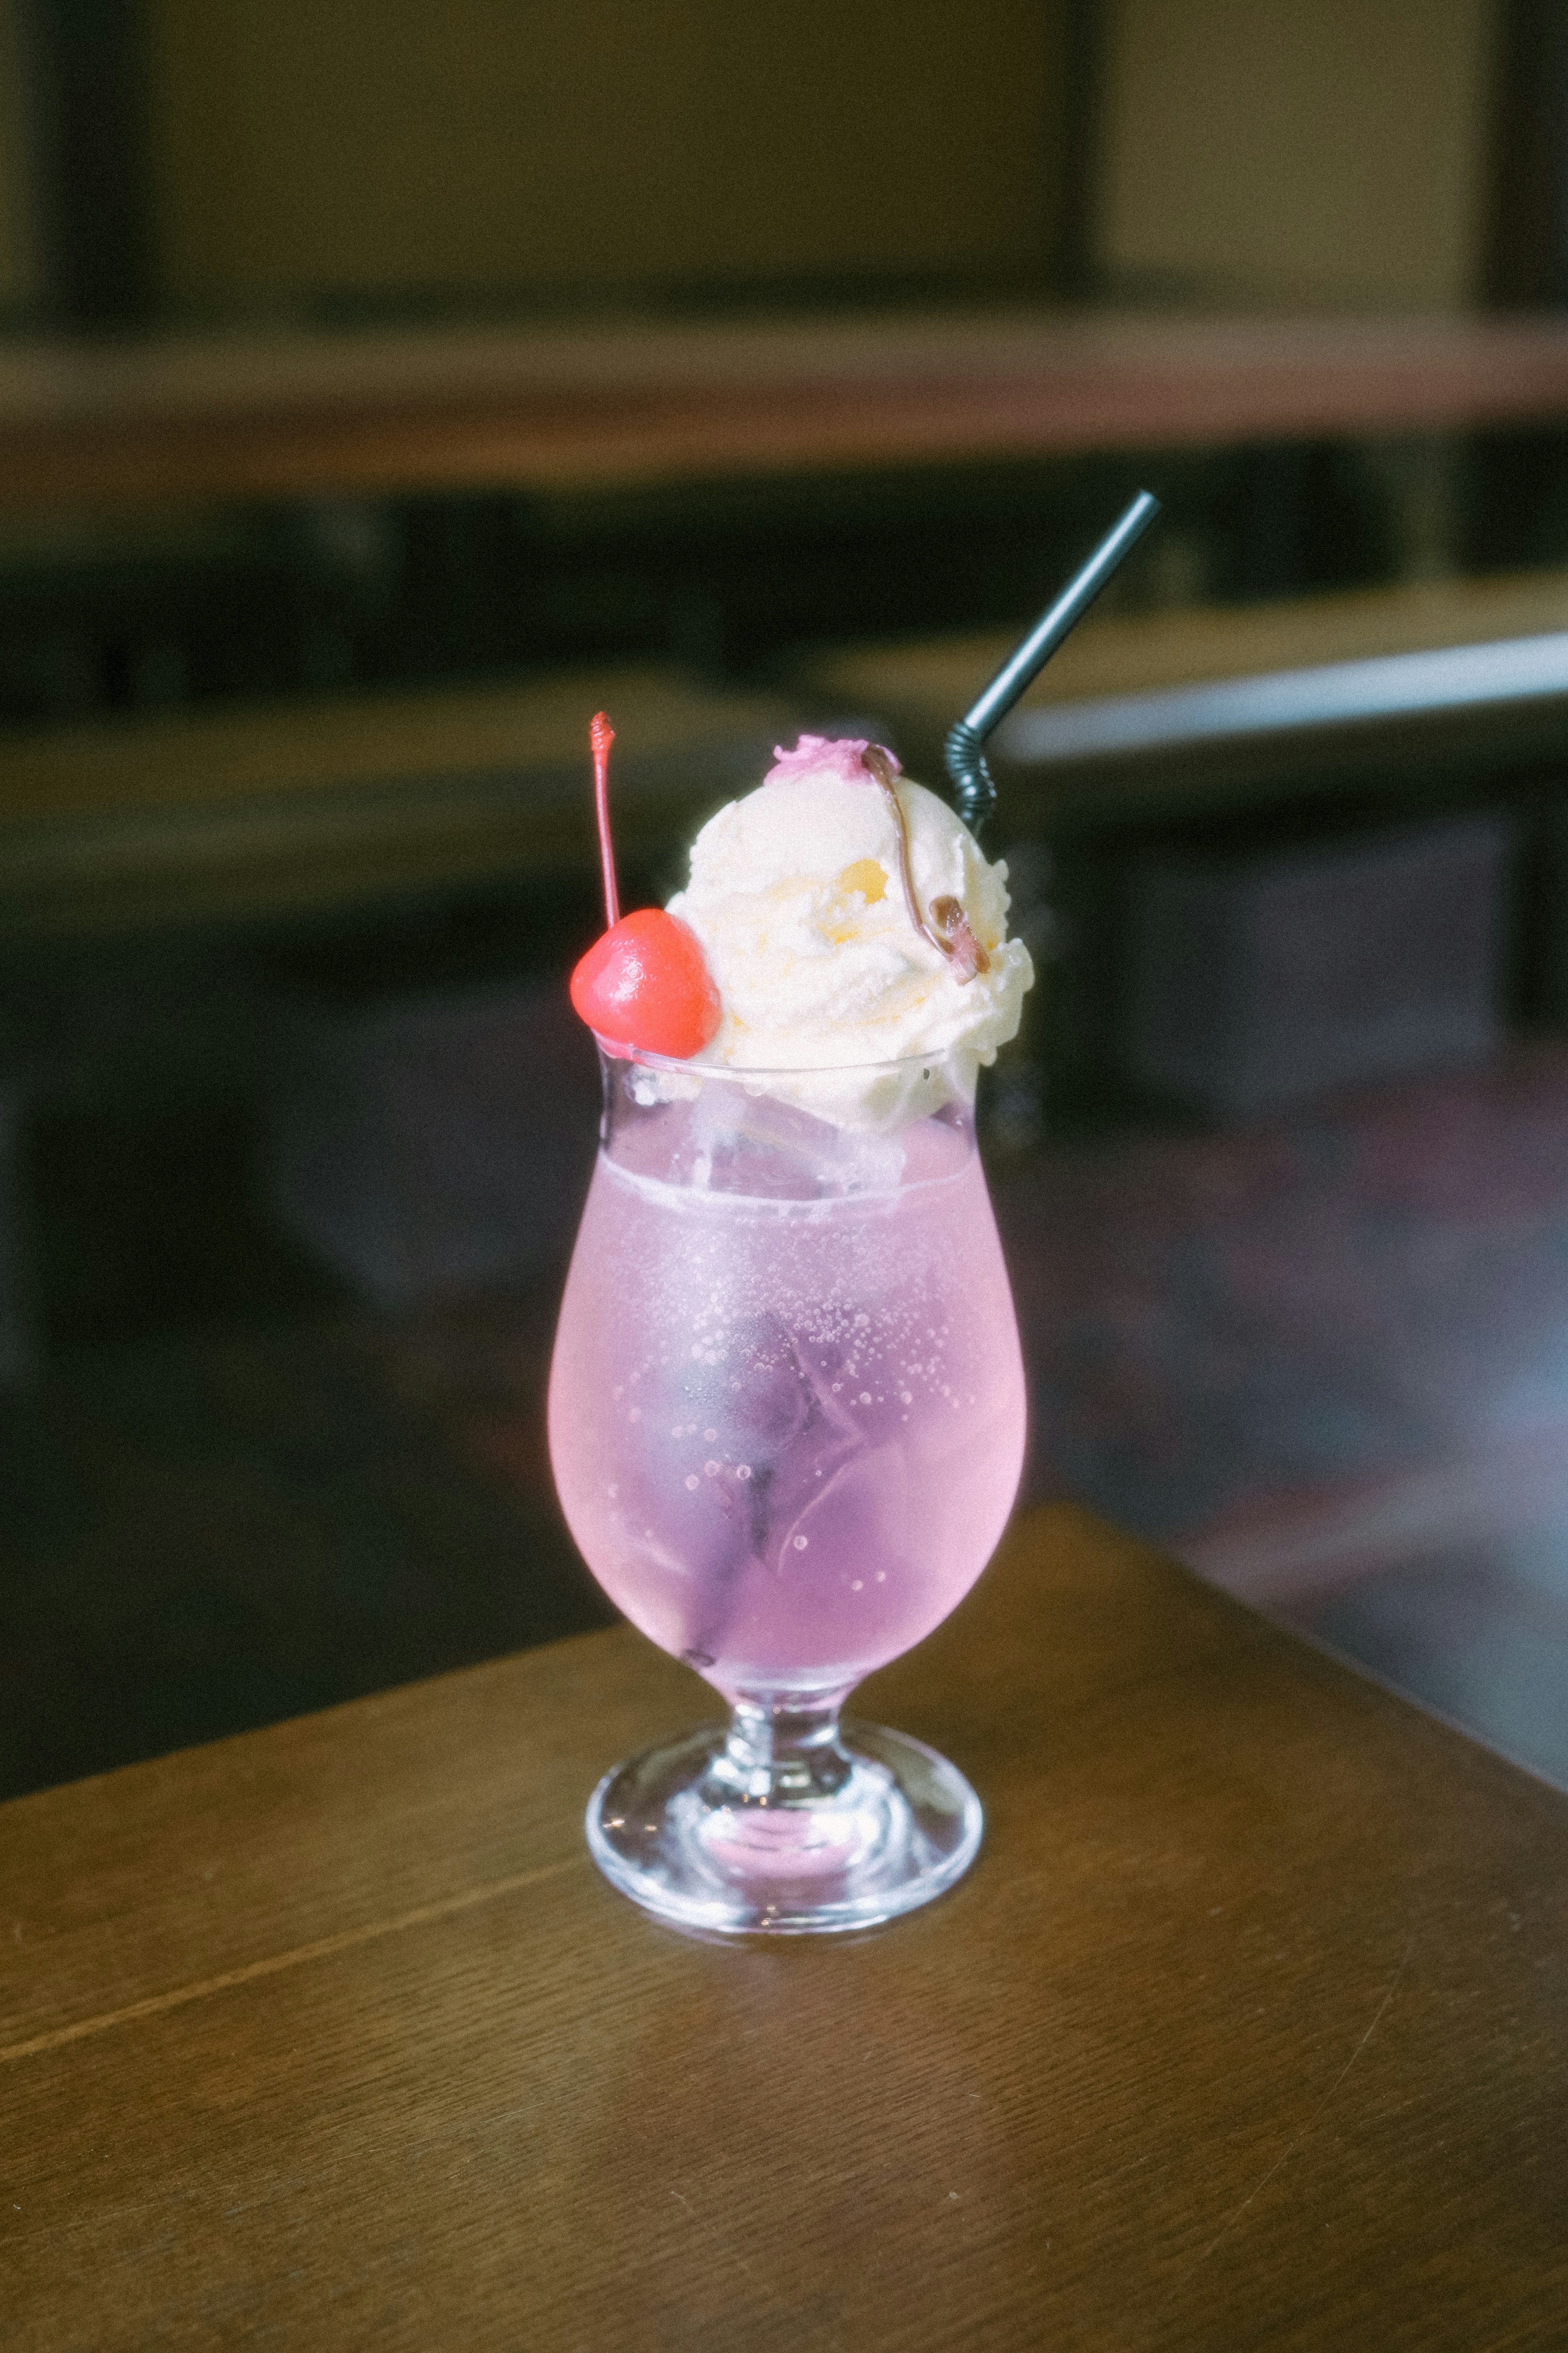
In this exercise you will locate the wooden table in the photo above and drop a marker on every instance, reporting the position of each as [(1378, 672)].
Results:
[(1247, 2029), (618, 406)]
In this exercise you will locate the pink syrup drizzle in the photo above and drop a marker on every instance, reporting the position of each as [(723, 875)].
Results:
[(843, 756)]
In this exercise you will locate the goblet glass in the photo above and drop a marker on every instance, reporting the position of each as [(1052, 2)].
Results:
[(786, 1423)]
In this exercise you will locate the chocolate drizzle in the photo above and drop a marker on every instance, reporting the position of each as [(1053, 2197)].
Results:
[(958, 945), (946, 926)]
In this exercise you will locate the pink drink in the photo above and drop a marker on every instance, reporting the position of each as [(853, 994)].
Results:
[(787, 1408)]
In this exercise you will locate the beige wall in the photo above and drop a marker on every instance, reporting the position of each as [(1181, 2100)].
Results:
[(19, 282), (1290, 151), (310, 145)]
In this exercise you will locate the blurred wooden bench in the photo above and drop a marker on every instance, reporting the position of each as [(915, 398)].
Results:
[(129, 838), (1153, 736), (1330, 693), (325, 801)]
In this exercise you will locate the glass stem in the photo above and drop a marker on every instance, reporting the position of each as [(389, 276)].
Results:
[(780, 1751)]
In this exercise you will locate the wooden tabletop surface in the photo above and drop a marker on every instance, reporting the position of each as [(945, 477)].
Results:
[(596, 408), (1247, 2030)]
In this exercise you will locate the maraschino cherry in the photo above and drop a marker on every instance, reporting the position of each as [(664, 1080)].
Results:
[(643, 984)]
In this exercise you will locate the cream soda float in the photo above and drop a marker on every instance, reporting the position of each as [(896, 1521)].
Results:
[(787, 1405)]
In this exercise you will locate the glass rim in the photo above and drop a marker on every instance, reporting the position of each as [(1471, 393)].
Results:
[(643, 1058)]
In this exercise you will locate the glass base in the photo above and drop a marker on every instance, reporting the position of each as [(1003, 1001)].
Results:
[(675, 1829)]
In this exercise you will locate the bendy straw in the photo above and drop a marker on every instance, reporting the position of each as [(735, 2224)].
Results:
[(974, 788)]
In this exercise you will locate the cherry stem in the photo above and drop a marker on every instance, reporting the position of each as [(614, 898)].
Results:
[(601, 735)]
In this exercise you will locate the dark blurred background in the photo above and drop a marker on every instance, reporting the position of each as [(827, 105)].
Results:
[(383, 389)]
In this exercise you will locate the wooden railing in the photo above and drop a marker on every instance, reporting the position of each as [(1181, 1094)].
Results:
[(601, 407)]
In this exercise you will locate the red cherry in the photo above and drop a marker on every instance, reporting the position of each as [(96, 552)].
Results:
[(643, 984)]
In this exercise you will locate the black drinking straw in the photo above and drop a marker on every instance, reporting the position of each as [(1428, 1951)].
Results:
[(972, 785)]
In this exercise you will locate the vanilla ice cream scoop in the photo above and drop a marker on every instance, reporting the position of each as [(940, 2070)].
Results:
[(798, 898)]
